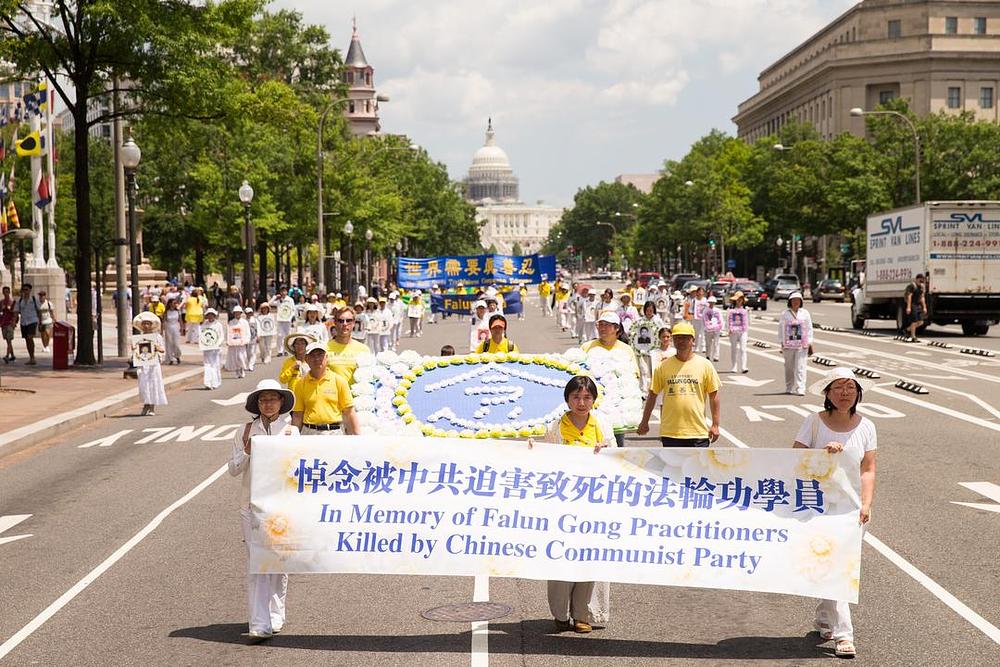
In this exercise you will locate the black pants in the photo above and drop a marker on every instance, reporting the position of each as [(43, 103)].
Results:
[(684, 442)]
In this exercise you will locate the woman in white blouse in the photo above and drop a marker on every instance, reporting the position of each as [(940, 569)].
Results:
[(840, 430), (265, 592)]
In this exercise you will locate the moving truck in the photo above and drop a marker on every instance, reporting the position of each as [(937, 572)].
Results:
[(955, 244)]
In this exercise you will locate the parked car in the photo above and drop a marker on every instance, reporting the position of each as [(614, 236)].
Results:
[(756, 297), (647, 277), (695, 283), (678, 279), (601, 275), (785, 288), (830, 289), (720, 290)]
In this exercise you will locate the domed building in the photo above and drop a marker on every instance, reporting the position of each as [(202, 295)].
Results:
[(491, 178), (503, 219)]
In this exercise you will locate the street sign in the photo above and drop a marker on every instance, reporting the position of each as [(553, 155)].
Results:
[(730, 263), (845, 248)]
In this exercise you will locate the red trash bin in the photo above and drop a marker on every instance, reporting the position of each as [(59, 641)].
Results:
[(63, 344)]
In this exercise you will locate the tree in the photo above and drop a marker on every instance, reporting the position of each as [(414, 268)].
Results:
[(164, 50), (599, 222), (516, 249)]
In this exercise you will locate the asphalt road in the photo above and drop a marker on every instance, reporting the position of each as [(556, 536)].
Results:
[(70, 594)]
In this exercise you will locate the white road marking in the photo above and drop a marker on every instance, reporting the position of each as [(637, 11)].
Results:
[(988, 489), (43, 425), (940, 593), (8, 522), (92, 576), (481, 629), (744, 381), (238, 399), (106, 441)]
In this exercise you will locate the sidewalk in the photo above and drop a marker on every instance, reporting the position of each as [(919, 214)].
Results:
[(39, 402)]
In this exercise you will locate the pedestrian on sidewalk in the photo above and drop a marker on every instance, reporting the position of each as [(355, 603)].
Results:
[(47, 319), (8, 318), (795, 337), (149, 346), (841, 431), (210, 340), (580, 605), (172, 329), (266, 593), (738, 323), (27, 311)]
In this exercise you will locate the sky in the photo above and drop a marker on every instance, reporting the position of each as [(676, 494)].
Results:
[(579, 90)]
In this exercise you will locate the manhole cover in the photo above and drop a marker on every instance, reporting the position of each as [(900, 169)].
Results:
[(467, 612)]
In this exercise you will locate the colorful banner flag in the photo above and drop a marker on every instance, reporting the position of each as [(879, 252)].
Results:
[(30, 146), (461, 304), (450, 271), (12, 220), (44, 195), (768, 520), (3, 220)]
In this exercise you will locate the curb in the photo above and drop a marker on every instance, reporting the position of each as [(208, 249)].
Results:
[(56, 424)]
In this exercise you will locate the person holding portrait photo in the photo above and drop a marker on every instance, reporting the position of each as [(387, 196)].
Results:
[(146, 350)]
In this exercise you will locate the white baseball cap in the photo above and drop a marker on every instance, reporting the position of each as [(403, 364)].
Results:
[(318, 345), (839, 373), (610, 316), (712, 299)]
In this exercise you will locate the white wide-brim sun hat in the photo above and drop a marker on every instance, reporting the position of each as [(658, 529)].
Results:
[(287, 397), (290, 338), (818, 388), (146, 316)]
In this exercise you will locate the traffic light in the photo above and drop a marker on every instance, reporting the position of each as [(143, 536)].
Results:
[(798, 245), (711, 244)]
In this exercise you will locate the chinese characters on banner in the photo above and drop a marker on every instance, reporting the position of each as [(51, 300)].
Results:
[(771, 520), (424, 273), (461, 304)]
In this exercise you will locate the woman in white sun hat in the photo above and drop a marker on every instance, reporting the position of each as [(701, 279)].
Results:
[(795, 332), (270, 404), (151, 389), (840, 430), (210, 338)]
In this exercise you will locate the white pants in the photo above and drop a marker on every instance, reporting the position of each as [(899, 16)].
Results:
[(699, 335), (645, 371), (795, 369), (432, 318), (372, 341), (394, 338), (712, 345), (265, 592), (212, 359), (586, 601), (562, 318), (251, 355), (193, 329), (264, 343), (589, 331), (738, 351), (546, 305), (284, 328), (383, 342), (836, 616), (580, 327)]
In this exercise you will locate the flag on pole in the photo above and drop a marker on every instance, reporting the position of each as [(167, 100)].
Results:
[(31, 145), (3, 220), (12, 218), (44, 197), (3, 189), (42, 97)]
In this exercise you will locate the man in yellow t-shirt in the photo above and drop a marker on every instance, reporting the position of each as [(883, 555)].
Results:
[(323, 401), (498, 341), (342, 351), (685, 380), (545, 297)]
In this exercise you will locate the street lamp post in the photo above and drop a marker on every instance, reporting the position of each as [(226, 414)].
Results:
[(368, 260), (395, 261), (348, 232), (131, 155), (858, 112), (246, 196)]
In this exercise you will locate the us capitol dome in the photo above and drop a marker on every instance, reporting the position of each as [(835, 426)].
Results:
[(491, 179)]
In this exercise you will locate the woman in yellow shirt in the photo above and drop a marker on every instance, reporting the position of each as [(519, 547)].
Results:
[(580, 605), (295, 366), (498, 341)]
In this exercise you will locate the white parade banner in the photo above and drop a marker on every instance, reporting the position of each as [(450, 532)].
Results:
[(770, 520)]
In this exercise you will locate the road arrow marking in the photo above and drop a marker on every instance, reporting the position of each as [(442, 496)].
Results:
[(8, 522), (988, 489), (106, 441), (235, 400), (742, 381)]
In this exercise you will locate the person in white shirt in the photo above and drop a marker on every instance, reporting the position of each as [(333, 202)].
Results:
[(398, 309), (284, 309), (385, 320), (313, 325), (265, 592), (480, 327), (237, 337), (795, 337)]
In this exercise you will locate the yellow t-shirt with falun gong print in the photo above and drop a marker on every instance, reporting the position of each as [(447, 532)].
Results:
[(684, 387), (322, 400)]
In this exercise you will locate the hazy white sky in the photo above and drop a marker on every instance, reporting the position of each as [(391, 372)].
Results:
[(579, 90)]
